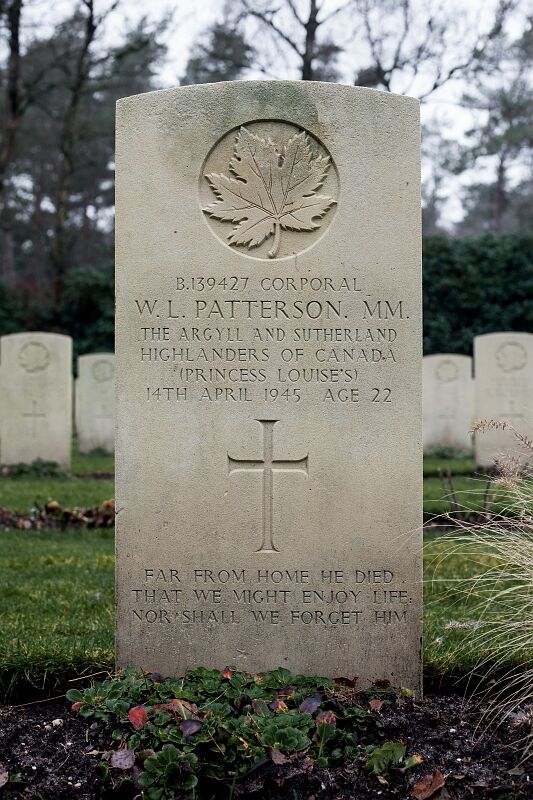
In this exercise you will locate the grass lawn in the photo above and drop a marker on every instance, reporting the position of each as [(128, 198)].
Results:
[(56, 604), (92, 462), (21, 494), (57, 607), (469, 493), (457, 466), (84, 490)]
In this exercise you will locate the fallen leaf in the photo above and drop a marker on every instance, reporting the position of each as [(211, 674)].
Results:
[(138, 717), (413, 761), (428, 785), (278, 706), (190, 726), (276, 756), (4, 776), (287, 691), (376, 705), (227, 673), (123, 759), (260, 707), (185, 709), (310, 704)]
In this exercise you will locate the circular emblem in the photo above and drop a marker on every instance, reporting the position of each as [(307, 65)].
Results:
[(102, 371), (511, 356), (34, 357), (269, 189), (446, 371)]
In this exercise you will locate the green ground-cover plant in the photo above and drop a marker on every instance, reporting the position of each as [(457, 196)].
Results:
[(37, 469), (220, 725)]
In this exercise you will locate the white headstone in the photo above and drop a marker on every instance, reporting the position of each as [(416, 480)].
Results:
[(503, 367), (269, 451), (95, 402), (448, 401), (35, 398)]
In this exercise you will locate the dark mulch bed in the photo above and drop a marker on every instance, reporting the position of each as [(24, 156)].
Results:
[(61, 760)]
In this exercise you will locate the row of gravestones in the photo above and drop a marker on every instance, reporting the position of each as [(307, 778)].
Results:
[(502, 390), (36, 397), (36, 394)]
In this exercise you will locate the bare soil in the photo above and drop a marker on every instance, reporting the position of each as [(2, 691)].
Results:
[(58, 755)]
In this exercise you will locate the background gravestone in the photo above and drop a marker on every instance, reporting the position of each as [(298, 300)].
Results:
[(503, 367), (448, 401), (95, 402), (35, 398), (269, 380)]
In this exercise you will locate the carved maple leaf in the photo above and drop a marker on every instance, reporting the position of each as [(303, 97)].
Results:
[(270, 189)]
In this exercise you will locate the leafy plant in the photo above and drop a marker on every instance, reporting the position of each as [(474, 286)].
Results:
[(212, 725), (380, 759), (37, 469), (166, 770)]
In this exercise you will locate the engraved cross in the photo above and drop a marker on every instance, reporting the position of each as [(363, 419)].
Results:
[(34, 415), (268, 466)]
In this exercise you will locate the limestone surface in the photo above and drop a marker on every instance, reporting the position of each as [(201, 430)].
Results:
[(448, 401), (269, 380), (35, 398), (503, 366), (95, 402)]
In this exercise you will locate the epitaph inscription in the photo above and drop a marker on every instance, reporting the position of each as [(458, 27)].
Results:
[(269, 381)]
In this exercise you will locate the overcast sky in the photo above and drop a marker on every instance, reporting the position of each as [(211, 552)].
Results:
[(192, 17)]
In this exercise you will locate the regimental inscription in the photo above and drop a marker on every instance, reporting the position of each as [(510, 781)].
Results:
[(268, 466), (102, 371), (34, 357), (274, 185), (511, 356), (446, 371)]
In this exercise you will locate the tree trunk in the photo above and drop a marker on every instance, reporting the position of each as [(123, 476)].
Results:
[(9, 134), (311, 27), (499, 199), (59, 250)]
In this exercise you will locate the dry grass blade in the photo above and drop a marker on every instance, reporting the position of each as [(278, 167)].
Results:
[(501, 592)]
